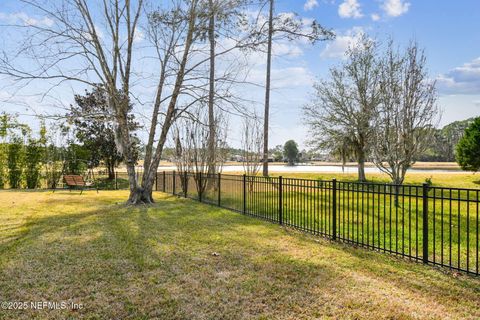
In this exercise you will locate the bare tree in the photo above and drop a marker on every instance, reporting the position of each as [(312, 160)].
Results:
[(192, 148), (74, 38), (407, 112), (252, 145), (266, 116), (341, 114), (95, 42), (223, 17), (289, 27), (176, 36), (211, 91), (176, 22)]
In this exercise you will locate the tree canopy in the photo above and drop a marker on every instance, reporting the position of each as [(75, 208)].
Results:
[(468, 148), (290, 150), (94, 128)]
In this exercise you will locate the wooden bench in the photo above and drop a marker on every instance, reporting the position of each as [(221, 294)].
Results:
[(76, 182)]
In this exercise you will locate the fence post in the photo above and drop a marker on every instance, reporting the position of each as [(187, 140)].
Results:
[(156, 181), (185, 184), (116, 182), (173, 175), (200, 186), (244, 193), (280, 200), (164, 187), (334, 209), (219, 187), (425, 222)]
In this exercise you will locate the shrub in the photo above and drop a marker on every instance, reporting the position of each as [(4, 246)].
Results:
[(53, 165), (290, 150), (3, 164), (468, 148), (15, 162), (33, 158)]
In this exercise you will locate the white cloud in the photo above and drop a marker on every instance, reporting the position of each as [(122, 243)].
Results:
[(337, 48), (25, 19), (98, 31), (286, 48), (139, 36), (461, 80), (395, 8), (291, 77), (310, 4), (375, 16), (350, 9)]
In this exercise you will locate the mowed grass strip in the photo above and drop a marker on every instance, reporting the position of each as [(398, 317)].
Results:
[(454, 179), (366, 214), (179, 259)]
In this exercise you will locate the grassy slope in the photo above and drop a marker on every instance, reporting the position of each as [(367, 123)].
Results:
[(146, 262)]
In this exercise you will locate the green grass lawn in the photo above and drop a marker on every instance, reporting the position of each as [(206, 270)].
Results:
[(366, 214), (179, 259)]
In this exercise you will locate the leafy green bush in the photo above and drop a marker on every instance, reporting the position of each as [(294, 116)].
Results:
[(468, 148), (15, 159), (53, 165), (109, 184), (429, 181), (3, 164), (4, 124), (33, 157), (76, 157), (290, 150)]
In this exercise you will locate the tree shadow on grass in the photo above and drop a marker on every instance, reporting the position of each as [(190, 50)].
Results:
[(180, 259), (140, 256)]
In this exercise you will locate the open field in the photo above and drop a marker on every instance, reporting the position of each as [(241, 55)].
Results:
[(417, 165), (458, 179), (158, 261), (450, 175)]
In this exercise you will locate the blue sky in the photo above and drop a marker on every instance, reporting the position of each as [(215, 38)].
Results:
[(447, 30)]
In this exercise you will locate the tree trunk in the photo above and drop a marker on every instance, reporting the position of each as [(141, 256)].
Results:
[(396, 189), (111, 169), (398, 175), (361, 166), (124, 145), (143, 194), (211, 94), (184, 182), (267, 92), (154, 120)]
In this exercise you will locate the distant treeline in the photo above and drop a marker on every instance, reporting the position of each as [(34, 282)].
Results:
[(442, 147)]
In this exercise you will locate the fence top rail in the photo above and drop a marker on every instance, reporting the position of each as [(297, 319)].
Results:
[(383, 184), (309, 180), (454, 189)]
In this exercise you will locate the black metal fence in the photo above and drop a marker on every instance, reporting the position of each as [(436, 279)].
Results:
[(434, 225)]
